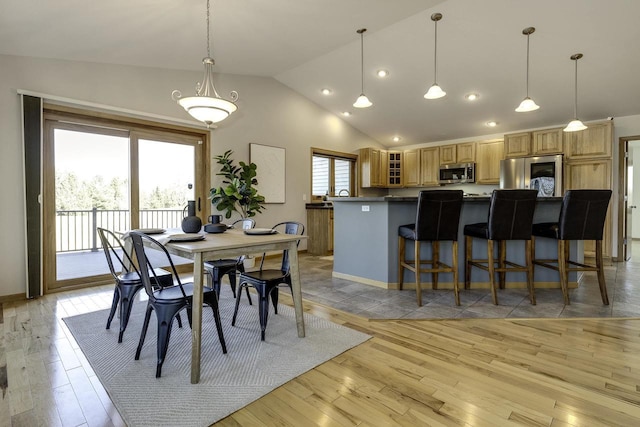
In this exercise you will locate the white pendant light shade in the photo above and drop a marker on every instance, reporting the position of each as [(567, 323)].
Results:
[(575, 124), (435, 92), (207, 106), (362, 102), (527, 103)]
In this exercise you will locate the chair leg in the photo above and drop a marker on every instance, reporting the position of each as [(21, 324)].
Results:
[(114, 305), (528, 244), (502, 257), (263, 308), (232, 282), (533, 258), (213, 303), (401, 255), (435, 252), (468, 253), (454, 267), (165, 315), (416, 261), (143, 332), (215, 273), (562, 269), (235, 310), (127, 295), (491, 268), (599, 266), (275, 293)]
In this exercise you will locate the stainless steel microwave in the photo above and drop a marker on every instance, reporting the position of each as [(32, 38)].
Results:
[(457, 174)]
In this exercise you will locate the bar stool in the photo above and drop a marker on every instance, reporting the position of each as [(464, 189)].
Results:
[(437, 219), (510, 218), (582, 217)]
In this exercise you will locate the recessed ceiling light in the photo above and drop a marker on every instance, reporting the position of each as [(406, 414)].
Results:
[(382, 73), (346, 113), (326, 91), (471, 96), (396, 139), (491, 124)]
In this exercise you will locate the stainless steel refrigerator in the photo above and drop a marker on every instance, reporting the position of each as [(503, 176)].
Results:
[(542, 173)]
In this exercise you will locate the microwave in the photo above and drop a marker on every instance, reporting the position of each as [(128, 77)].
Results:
[(457, 174)]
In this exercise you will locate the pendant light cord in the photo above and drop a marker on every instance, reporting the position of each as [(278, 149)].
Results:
[(362, 61), (575, 91), (435, 55), (208, 47), (527, 65)]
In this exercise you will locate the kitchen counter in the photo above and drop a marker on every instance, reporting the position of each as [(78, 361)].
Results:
[(324, 205), (366, 242)]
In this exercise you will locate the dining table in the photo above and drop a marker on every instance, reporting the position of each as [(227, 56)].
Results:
[(229, 244)]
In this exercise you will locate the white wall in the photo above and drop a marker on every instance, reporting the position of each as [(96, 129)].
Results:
[(634, 193), (269, 113)]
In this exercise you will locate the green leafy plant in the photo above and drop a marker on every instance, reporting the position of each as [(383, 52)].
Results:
[(237, 194)]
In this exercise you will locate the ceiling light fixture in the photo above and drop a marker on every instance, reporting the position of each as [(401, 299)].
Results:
[(382, 73), (346, 113), (575, 124), (471, 96), (326, 91), (396, 139), (435, 91), (207, 106), (362, 101), (527, 103), (491, 124)]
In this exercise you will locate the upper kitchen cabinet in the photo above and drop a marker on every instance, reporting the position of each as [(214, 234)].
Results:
[(429, 166), (373, 167), (458, 153), (593, 142), (517, 145), (394, 169), (547, 141), (411, 168), (489, 154)]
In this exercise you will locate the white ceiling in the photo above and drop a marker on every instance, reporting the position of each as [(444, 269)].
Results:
[(311, 44)]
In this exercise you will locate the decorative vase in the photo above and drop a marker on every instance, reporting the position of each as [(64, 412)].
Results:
[(191, 223)]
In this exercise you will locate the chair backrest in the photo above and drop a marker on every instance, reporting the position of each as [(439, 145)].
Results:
[(117, 256), (511, 214), (438, 214), (143, 245), (583, 213), (245, 223), (289, 227)]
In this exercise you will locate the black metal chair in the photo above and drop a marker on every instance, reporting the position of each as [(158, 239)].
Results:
[(582, 217), (267, 281), (437, 219), (218, 268), (127, 280), (510, 218), (167, 301)]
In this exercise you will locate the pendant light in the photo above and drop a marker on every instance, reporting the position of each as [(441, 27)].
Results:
[(527, 103), (207, 106), (575, 124), (435, 91), (362, 101)]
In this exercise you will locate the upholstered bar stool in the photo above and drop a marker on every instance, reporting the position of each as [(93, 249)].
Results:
[(582, 217), (510, 218), (437, 219)]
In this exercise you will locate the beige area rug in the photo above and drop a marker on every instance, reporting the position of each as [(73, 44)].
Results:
[(249, 370)]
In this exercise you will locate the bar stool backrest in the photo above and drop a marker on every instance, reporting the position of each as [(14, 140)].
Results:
[(438, 215), (511, 214), (583, 213)]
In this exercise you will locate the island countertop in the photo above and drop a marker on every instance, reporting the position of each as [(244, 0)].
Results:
[(414, 199)]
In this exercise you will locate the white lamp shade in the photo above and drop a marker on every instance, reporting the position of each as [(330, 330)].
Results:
[(435, 92), (362, 102), (574, 126), (207, 109), (526, 105)]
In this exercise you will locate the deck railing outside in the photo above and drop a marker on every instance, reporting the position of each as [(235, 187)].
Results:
[(77, 230)]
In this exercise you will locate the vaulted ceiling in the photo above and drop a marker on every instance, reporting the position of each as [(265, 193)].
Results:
[(312, 44)]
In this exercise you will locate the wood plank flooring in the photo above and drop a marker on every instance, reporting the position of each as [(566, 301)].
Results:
[(458, 372)]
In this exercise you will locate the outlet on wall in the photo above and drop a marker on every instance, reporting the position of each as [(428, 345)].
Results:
[(365, 208)]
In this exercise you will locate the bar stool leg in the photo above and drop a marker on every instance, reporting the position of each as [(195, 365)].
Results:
[(491, 268), (528, 245), (562, 269), (454, 267), (533, 258), (416, 251), (502, 257), (601, 281), (401, 260), (435, 251), (468, 252)]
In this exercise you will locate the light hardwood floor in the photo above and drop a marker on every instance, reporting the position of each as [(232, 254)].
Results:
[(458, 372)]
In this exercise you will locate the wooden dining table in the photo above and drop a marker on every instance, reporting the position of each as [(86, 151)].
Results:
[(230, 244)]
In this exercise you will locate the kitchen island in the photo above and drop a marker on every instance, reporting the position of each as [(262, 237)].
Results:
[(366, 243)]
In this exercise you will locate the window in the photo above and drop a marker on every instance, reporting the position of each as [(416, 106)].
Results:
[(332, 173)]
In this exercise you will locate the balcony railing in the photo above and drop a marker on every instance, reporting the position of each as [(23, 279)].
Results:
[(77, 230)]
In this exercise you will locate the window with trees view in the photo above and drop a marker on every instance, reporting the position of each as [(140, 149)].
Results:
[(332, 173)]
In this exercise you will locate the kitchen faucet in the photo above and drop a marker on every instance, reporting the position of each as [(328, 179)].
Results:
[(340, 192)]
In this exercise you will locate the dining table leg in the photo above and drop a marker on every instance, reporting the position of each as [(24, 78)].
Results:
[(196, 325), (296, 287)]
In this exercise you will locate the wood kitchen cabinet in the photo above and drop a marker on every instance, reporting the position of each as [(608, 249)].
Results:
[(547, 142), (457, 153), (411, 168), (517, 145), (373, 167), (394, 169), (489, 154), (593, 142), (429, 166), (320, 230)]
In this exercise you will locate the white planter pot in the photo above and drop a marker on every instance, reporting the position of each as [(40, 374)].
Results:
[(249, 262)]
